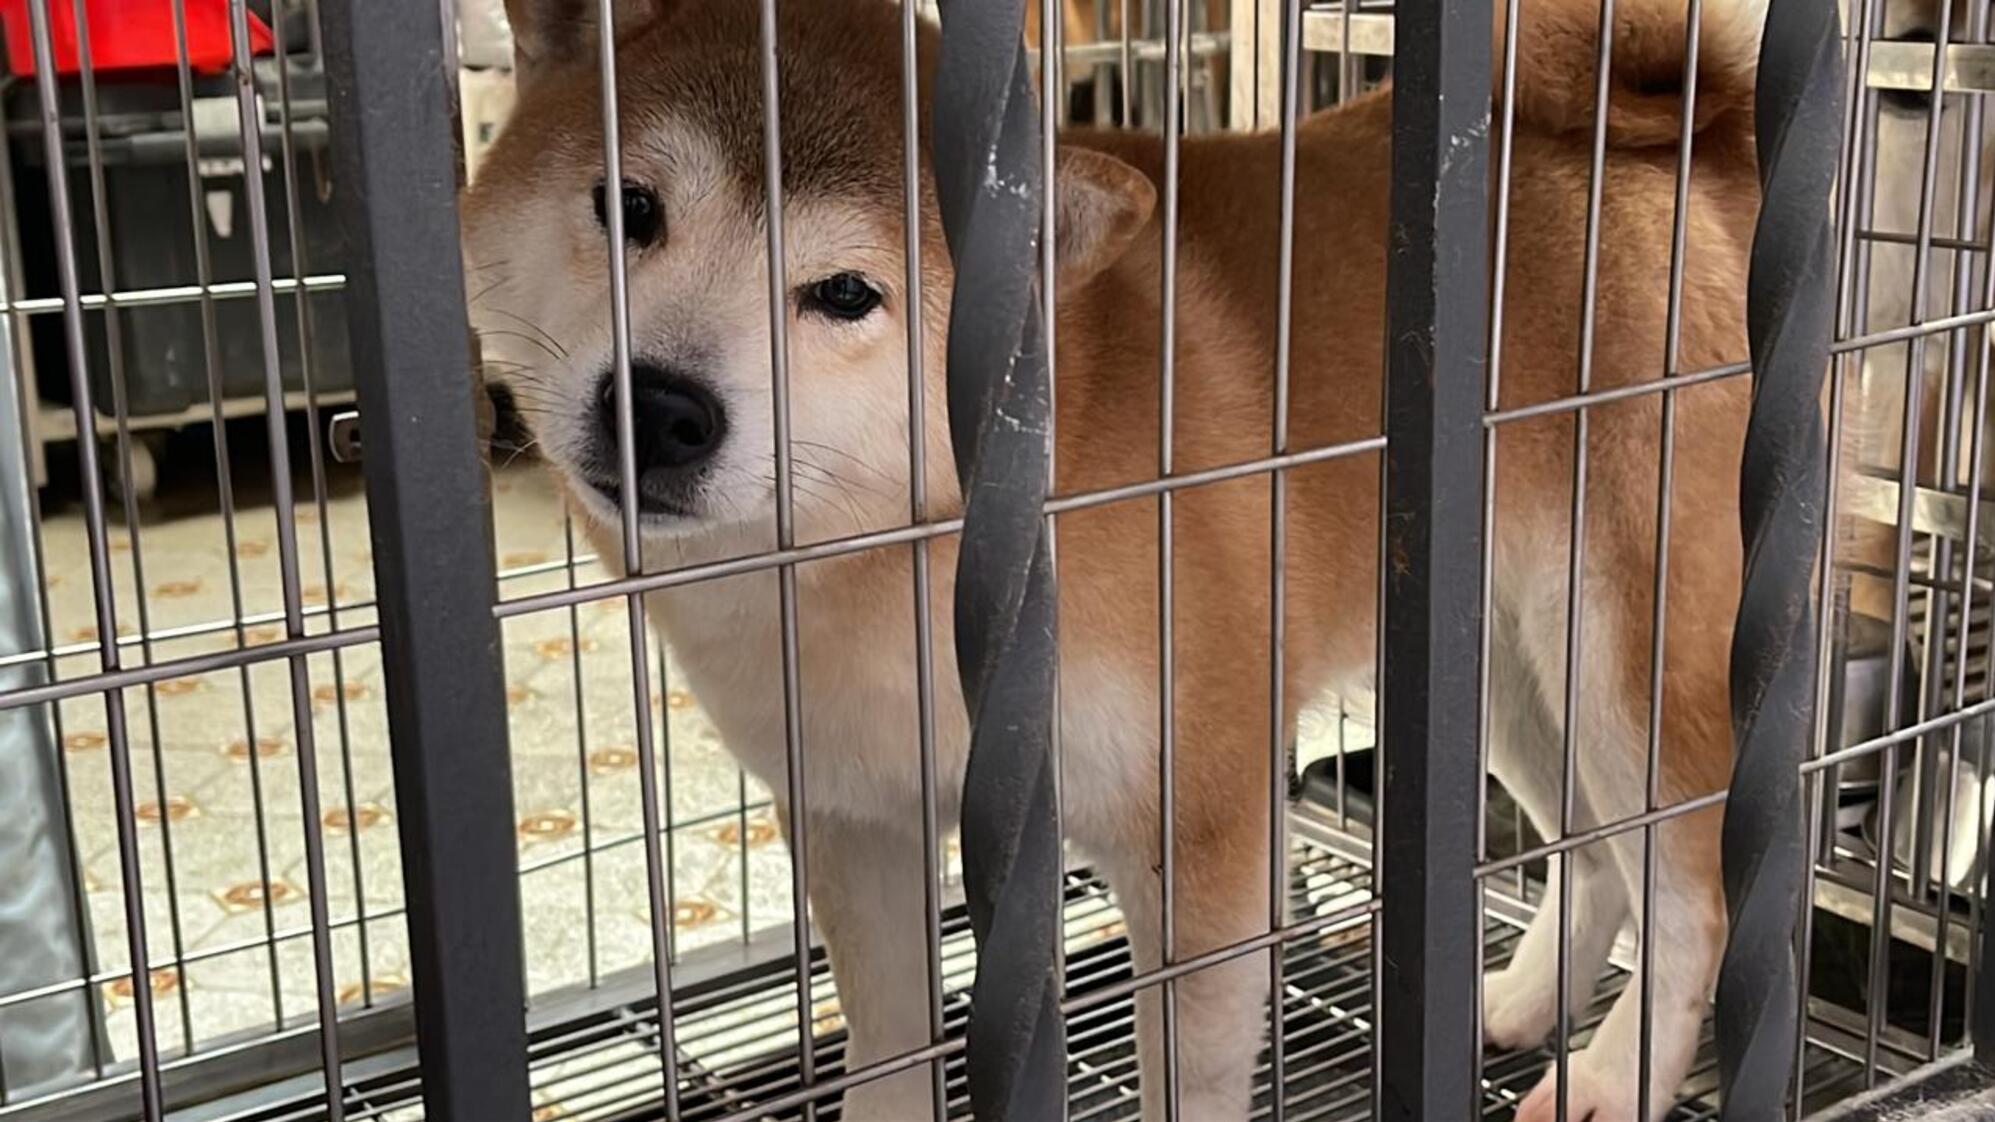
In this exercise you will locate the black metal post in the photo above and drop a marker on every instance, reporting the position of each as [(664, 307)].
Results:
[(1790, 320), (1982, 1027), (1437, 289), (987, 170), (394, 125)]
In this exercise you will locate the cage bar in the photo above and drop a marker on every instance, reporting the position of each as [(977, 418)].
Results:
[(1789, 321), (426, 484), (151, 1104), (984, 146), (1437, 289)]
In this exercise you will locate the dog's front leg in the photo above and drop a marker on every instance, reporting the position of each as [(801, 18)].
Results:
[(866, 900), (1221, 1017), (1220, 898)]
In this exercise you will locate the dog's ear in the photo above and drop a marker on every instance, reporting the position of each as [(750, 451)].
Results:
[(550, 33), (1103, 204)]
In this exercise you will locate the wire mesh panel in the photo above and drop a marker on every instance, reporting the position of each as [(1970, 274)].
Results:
[(222, 570), (165, 969), (1114, 429), (1909, 310)]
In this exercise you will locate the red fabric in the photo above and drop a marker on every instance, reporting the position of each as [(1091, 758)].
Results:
[(128, 35)]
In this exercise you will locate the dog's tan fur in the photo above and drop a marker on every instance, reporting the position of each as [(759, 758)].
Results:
[(691, 117)]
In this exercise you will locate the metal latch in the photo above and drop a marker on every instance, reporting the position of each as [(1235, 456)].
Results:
[(343, 437)]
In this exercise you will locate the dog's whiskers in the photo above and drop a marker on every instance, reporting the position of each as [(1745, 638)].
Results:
[(533, 327), (523, 336), (842, 453), (515, 452)]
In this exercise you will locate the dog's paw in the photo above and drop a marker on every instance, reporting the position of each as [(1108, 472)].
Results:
[(1519, 1008), (1592, 1095)]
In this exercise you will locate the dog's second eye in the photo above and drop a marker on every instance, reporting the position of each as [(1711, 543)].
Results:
[(643, 218), (844, 296)]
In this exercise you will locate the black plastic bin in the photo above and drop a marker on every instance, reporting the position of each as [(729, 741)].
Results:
[(152, 239)]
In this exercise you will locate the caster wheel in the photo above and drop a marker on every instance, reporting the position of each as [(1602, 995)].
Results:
[(144, 480)]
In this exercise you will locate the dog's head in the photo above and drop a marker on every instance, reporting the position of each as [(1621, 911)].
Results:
[(696, 251)]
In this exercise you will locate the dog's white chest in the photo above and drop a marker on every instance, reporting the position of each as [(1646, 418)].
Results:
[(858, 722)]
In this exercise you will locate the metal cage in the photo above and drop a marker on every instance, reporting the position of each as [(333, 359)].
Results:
[(336, 792)]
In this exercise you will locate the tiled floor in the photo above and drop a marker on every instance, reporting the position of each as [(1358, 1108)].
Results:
[(215, 767), (215, 764)]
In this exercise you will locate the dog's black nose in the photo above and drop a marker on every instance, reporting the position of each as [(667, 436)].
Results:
[(678, 423)]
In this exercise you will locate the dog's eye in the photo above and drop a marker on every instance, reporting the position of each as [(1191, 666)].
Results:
[(643, 218), (844, 296)]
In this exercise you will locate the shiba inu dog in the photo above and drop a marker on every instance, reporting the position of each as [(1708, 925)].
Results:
[(694, 221)]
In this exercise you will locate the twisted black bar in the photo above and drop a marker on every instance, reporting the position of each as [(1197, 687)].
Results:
[(1789, 309), (986, 161)]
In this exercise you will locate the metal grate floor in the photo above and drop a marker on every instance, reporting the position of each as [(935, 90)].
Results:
[(737, 1037), (1326, 1020)]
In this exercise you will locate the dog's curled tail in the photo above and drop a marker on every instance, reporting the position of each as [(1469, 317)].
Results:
[(1558, 44)]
